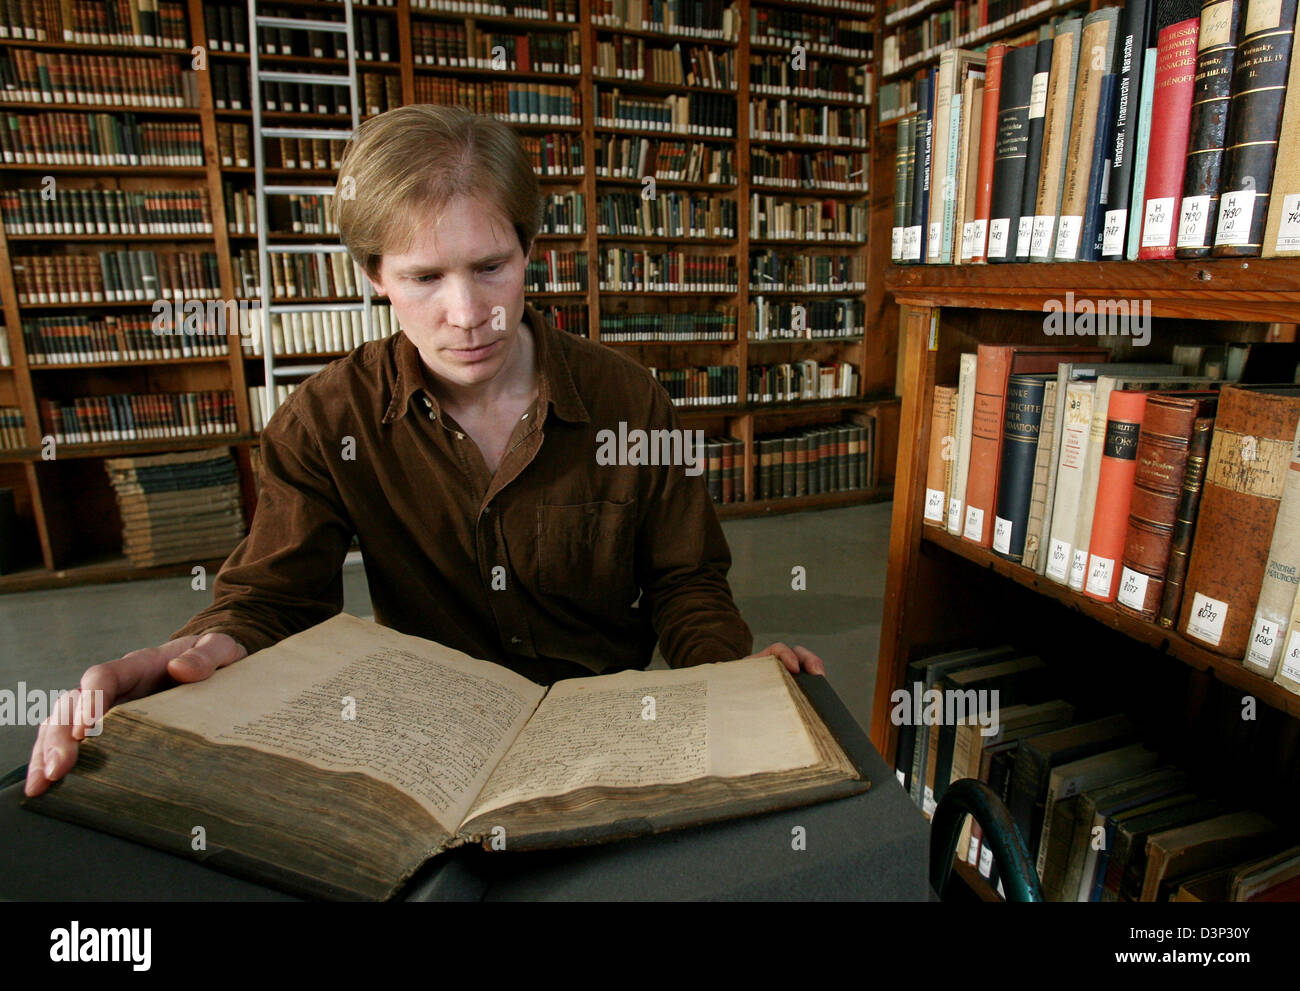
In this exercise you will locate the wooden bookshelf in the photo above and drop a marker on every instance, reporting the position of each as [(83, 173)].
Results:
[(42, 488)]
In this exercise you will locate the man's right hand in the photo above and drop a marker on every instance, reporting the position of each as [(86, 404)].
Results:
[(139, 673)]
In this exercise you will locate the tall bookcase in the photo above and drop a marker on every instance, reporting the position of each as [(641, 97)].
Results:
[(67, 517)]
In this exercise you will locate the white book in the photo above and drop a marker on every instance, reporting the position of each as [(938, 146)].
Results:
[(961, 431)]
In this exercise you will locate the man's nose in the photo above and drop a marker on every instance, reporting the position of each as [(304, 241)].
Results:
[(466, 306)]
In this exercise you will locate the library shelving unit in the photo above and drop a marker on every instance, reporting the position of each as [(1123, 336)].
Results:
[(943, 591), (67, 520)]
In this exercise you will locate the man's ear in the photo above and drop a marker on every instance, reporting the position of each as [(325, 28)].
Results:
[(375, 285)]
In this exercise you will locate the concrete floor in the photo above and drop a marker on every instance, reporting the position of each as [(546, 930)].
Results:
[(47, 639)]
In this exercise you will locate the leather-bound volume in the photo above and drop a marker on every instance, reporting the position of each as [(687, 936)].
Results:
[(1255, 119), (1189, 502), (1249, 458), (1114, 492), (1162, 458), (1171, 115), (995, 58), (1282, 230), (1021, 422), (1216, 50), (1010, 151)]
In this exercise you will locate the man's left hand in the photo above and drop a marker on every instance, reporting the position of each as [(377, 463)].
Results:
[(795, 659)]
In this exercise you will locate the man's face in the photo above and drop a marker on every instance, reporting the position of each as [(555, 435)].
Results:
[(459, 291)]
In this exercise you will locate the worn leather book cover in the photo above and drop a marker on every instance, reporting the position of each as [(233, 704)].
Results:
[(1216, 51), (1255, 119), (1162, 454), (1250, 456), (1171, 115), (995, 59), (1114, 492), (1189, 502), (1010, 151), (1282, 230)]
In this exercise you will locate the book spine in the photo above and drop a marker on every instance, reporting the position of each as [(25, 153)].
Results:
[(1171, 109), (1114, 493), (1034, 148), (1010, 152), (1258, 95), (992, 370), (1022, 421), (1056, 137), (965, 410), (1042, 468), (1189, 502), (1131, 50), (1133, 237), (987, 142), (1076, 430), (1277, 593), (1216, 48), (1282, 229), (1091, 240)]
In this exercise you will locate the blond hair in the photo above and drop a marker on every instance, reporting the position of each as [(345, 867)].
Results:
[(402, 164)]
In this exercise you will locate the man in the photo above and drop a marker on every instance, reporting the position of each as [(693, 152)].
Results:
[(462, 452)]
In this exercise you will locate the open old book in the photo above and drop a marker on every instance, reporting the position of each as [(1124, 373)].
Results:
[(336, 762)]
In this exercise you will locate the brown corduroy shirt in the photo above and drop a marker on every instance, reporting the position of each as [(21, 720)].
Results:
[(536, 567)]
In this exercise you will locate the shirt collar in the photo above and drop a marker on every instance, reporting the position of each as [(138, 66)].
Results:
[(555, 379)]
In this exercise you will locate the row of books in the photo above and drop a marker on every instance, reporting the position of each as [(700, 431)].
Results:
[(704, 385), (797, 170), (818, 79), (794, 381), (182, 506), (716, 20), (711, 114), (138, 416), (667, 214), (305, 153), (293, 214), (226, 29), (774, 218), (1123, 155), (572, 318), (788, 120), (257, 397), (773, 271), (564, 213), (1138, 484), (442, 43), (647, 328), (903, 49), (319, 332), (105, 211), (555, 154), (31, 76), (140, 23), (820, 34), (79, 339), (633, 59), (631, 157), (293, 275), (12, 428), (815, 460), (556, 271), (631, 270), (98, 139), (811, 320), (1103, 818), (515, 102), (115, 276)]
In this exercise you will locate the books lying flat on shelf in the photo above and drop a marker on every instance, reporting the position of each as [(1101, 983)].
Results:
[(339, 760)]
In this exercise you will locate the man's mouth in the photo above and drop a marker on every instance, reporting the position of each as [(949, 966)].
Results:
[(474, 354)]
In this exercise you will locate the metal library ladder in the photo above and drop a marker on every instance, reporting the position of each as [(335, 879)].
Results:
[(263, 190)]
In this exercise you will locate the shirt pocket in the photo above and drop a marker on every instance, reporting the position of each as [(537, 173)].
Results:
[(586, 551)]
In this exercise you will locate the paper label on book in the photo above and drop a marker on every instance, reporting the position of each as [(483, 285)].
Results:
[(912, 243), (1038, 95), (902, 778), (1158, 224), (1288, 232), (936, 235), (1132, 588), (1235, 212), (977, 241), (974, 524), (967, 240), (927, 801), (1100, 572), (1023, 235), (1112, 236), (1040, 242), (986, 860), (1067, 238), (973, 854), (1058, 560), (1262, 640), (896, 243), (934, 505), (1206, 621), (954, 513), (1078, 567), (1192, 219), (1291, 659), (998, 231), (1262, 15), (1216, 25), (1002, 535)]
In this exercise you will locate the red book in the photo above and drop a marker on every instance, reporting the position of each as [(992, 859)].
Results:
[(1171, 124), (1114, 493), (995, 363), (988, 143)]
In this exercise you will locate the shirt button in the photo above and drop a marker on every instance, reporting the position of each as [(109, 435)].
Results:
[(433, 415), (460, 436), (524, 417)]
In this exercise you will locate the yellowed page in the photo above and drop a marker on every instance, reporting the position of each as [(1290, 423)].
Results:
[(716, 720), (426, 719)]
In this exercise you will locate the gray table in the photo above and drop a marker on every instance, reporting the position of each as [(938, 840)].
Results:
[(872, 846)]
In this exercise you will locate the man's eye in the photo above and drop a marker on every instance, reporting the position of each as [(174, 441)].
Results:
[(424, 279), (492, 268)]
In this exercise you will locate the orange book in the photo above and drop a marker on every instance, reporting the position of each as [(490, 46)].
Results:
[(1114, 493), (987, 146)]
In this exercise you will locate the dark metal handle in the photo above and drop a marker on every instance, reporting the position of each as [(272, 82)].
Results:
[(971, 797)]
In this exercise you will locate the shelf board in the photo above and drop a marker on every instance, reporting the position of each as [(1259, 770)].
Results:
[(817, 191), (108, 238), (1200, 289), (99, 108), (975, 881), (795, 504), (1168, 641), (123, 448), (109, 569)]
